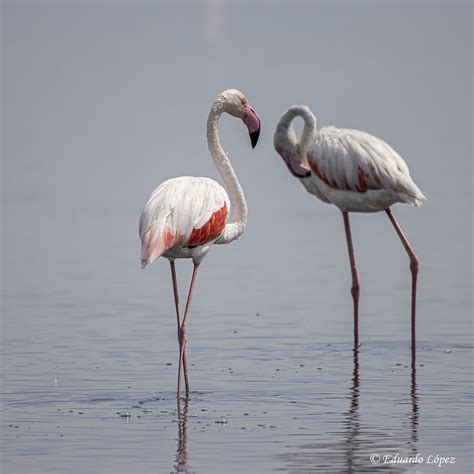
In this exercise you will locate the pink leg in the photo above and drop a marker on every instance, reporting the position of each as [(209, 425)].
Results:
[(175, 291), (178, 319), (355, 280), (414, 274), (182, 333)]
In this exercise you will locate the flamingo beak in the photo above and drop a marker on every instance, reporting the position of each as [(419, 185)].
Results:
[(252, 120), (254, 137), (297, 168)]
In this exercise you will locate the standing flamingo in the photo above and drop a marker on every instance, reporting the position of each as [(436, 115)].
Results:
[(355, 171), (184, 216)]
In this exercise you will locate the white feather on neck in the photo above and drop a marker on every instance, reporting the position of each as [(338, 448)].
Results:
[(307, 136), (238, 221)]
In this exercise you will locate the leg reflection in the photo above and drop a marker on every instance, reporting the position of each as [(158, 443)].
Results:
[(352, 418), (414, 406), (182, 453)]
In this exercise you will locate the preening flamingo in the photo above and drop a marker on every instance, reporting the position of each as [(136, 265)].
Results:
[(184, 216), (355, 171)]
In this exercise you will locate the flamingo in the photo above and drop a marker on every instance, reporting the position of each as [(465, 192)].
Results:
[(356, 172), (184, 216)]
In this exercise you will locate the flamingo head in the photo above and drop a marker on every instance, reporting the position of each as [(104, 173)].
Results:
[(237, 105), (285, 142)]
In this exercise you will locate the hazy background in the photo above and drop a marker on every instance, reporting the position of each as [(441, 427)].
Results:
[(102, 101)]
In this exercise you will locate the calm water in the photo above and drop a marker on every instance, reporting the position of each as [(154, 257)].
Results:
[(103, 101), (270, 352)]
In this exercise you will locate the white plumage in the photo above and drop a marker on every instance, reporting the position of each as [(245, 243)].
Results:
[(185, 216), (359, 172), (177, 207), (353, 170)]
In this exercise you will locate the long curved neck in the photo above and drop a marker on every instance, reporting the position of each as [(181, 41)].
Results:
[(238, 221), (309, 128)]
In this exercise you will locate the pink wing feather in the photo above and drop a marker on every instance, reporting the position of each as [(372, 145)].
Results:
[(183, 211), (353, 160)]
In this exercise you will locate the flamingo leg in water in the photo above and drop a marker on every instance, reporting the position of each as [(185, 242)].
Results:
[(183, 335), (178, 317), (355, 280), (414, 274)]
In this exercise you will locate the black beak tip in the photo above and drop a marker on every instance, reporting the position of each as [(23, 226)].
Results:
[(254, 137)]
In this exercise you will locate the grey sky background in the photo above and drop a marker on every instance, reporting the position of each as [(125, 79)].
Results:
[(102, 101)]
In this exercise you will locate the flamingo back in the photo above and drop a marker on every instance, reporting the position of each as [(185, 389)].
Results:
[(352, 160)]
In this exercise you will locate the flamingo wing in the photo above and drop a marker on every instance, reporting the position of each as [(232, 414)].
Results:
[(353, 160), (184, 212)]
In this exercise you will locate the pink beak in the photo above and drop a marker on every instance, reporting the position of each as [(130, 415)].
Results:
[(252, 120)]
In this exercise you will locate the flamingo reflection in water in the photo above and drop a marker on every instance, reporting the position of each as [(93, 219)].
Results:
[(356, 441), (355, 461), (181, 460), (414, 408), (353, 417)]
